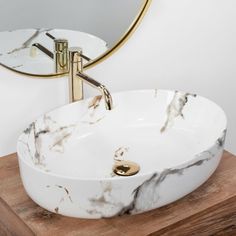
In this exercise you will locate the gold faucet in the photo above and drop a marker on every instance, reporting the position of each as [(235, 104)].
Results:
[(60, 54), (77, 77)]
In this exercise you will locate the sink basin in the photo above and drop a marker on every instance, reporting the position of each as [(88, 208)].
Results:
[(66, 156)]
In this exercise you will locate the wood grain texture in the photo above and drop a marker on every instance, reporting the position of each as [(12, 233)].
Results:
[(10, 223), (216, 219), (210, 210)]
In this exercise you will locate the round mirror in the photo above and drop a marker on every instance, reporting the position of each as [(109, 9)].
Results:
[(35, 42)]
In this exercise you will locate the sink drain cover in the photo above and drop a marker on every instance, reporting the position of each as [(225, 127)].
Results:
[(126, 168)]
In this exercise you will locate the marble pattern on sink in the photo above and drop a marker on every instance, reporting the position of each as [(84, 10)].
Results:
[(69, 153), (146, 196), (57, 135), (28, 42), (176, 107)]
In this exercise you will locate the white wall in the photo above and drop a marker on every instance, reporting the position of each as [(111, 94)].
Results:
[(107, 19)]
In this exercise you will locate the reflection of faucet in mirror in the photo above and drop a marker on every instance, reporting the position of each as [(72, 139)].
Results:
[(82, 55), (60, 55), (77, 77)]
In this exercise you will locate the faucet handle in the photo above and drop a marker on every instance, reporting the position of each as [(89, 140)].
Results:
[(50, 36)]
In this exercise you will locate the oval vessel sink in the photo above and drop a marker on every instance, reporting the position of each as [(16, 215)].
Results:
[(66, 156)]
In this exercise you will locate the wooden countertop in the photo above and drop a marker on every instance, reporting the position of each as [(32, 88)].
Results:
[(210, 210)]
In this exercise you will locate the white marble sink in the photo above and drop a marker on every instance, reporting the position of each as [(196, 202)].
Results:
[(66, 156)]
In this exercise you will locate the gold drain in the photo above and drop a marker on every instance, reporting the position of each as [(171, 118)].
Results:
[(126, 168)]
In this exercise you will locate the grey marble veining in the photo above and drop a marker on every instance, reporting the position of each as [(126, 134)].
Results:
[(104, 200), (65, 196), (221, 140), (29, 41), (58, 134), (175, 108), (146, 196), (148, 191), (18, 66)]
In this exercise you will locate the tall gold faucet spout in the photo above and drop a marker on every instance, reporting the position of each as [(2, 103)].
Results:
[(102, 88), (77, 77), (107, 96)]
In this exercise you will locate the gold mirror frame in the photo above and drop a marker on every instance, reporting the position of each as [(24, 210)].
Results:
[(108, 53)]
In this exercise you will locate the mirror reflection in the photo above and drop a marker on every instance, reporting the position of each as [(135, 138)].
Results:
[(44, 51), (37, 42)]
